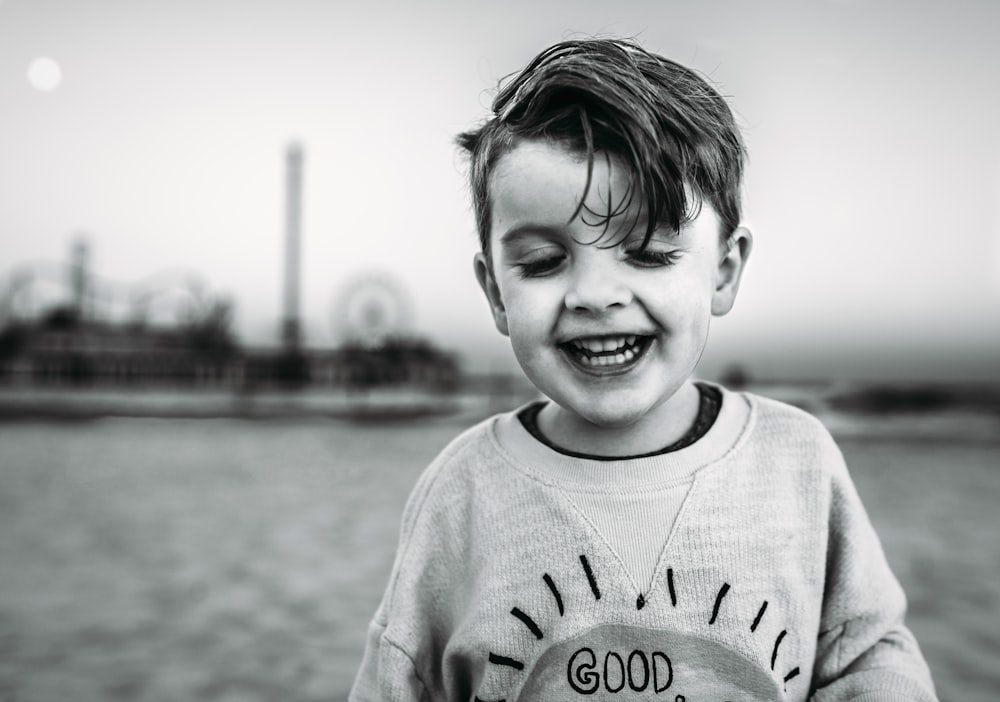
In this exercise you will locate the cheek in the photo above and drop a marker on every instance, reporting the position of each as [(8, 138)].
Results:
[(529, 302), (527, 332), (680, 301), (531, 316)]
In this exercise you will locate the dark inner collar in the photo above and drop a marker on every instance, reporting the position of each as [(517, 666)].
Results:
[(709, 404)]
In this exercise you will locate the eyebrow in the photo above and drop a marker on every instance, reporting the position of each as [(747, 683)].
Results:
[(522, 231)]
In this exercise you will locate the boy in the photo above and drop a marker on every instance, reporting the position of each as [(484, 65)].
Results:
[(638, 535)]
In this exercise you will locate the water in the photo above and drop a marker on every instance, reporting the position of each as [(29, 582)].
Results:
[(163, 560)]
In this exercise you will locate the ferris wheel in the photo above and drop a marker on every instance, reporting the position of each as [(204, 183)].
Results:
[(370, 308)]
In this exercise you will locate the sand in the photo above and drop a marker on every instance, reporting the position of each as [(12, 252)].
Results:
[(163, 560)]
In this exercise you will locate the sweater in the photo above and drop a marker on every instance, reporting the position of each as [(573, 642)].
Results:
[(635, 524), (771, 583)]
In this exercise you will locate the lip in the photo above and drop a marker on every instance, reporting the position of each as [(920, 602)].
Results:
[(574, 355), (568, 335)]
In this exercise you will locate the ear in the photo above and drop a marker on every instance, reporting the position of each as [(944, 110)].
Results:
[(731, 266), (484, 274)]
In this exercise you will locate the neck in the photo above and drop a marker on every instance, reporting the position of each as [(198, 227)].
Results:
[(660, 426)]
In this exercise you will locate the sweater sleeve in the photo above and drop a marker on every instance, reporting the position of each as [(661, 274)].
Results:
[(387, 674), (864, 653)]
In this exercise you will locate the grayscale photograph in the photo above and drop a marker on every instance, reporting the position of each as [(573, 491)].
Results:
[(499, 351)]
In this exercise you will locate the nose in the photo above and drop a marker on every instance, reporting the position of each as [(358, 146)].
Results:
[(596, 286)]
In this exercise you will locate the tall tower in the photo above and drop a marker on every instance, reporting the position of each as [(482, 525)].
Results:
[(291, 332), (79, 278)]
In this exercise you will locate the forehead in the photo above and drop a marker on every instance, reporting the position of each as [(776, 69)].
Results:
[(538, 185), (544, 182)]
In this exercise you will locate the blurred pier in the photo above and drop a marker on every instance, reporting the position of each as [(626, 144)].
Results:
[(165, 347), (65, 366)]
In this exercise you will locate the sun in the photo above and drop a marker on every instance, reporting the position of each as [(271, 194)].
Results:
[(44, 74), (643, 662)]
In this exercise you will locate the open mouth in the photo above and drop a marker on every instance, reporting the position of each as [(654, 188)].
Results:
[(607, 353)]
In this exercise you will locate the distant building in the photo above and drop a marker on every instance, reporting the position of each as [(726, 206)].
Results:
[(79, 341), (62, 348)]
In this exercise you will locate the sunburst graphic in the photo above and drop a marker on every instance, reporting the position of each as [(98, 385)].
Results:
[(628, 662)]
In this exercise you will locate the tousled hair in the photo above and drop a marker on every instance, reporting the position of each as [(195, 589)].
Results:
[(662, 121)]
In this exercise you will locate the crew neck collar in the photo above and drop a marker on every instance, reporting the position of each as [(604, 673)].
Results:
[(661, 469)]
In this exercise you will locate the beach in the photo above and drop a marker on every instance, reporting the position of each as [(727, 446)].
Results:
[(231, 559)]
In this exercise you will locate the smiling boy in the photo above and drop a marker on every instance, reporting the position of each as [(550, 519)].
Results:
[(607, 325), (638, 534)]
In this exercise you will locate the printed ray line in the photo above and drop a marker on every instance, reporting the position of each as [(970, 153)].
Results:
[(590, 577), (670, 586), (792, 673), (760, 614), (718, 602), (503, 660), (774, 654), (555, 593), (480, 699), (528, 622)]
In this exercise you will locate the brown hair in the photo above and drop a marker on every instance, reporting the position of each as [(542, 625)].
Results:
[(664, 122)]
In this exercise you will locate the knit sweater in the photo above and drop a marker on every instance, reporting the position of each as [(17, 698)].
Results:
[(771, 585)]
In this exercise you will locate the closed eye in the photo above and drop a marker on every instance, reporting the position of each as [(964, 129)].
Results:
[(653, 258), (539, 266)]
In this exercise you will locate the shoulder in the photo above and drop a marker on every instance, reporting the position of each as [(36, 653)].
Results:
[(471, 451), (450, 524), (779, 420), (473, 473), (789, 458), (787, 416), (783, 434)]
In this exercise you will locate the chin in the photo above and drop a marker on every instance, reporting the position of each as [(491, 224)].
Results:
[(607, 415)]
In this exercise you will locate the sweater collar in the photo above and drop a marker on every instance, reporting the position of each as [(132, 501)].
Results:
[(534, 457)]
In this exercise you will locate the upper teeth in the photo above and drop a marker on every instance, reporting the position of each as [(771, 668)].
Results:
[(604, 344)]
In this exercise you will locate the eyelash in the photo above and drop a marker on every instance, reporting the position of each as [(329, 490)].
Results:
[(642, 258), (653, 259), (540, 267)]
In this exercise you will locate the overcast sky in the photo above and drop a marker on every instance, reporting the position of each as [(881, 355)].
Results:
[(873, 189)]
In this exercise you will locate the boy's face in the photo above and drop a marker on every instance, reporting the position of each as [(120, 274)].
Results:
[(608, 332)]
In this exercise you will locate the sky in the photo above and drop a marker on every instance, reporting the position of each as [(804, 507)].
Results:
[(157, 132)]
